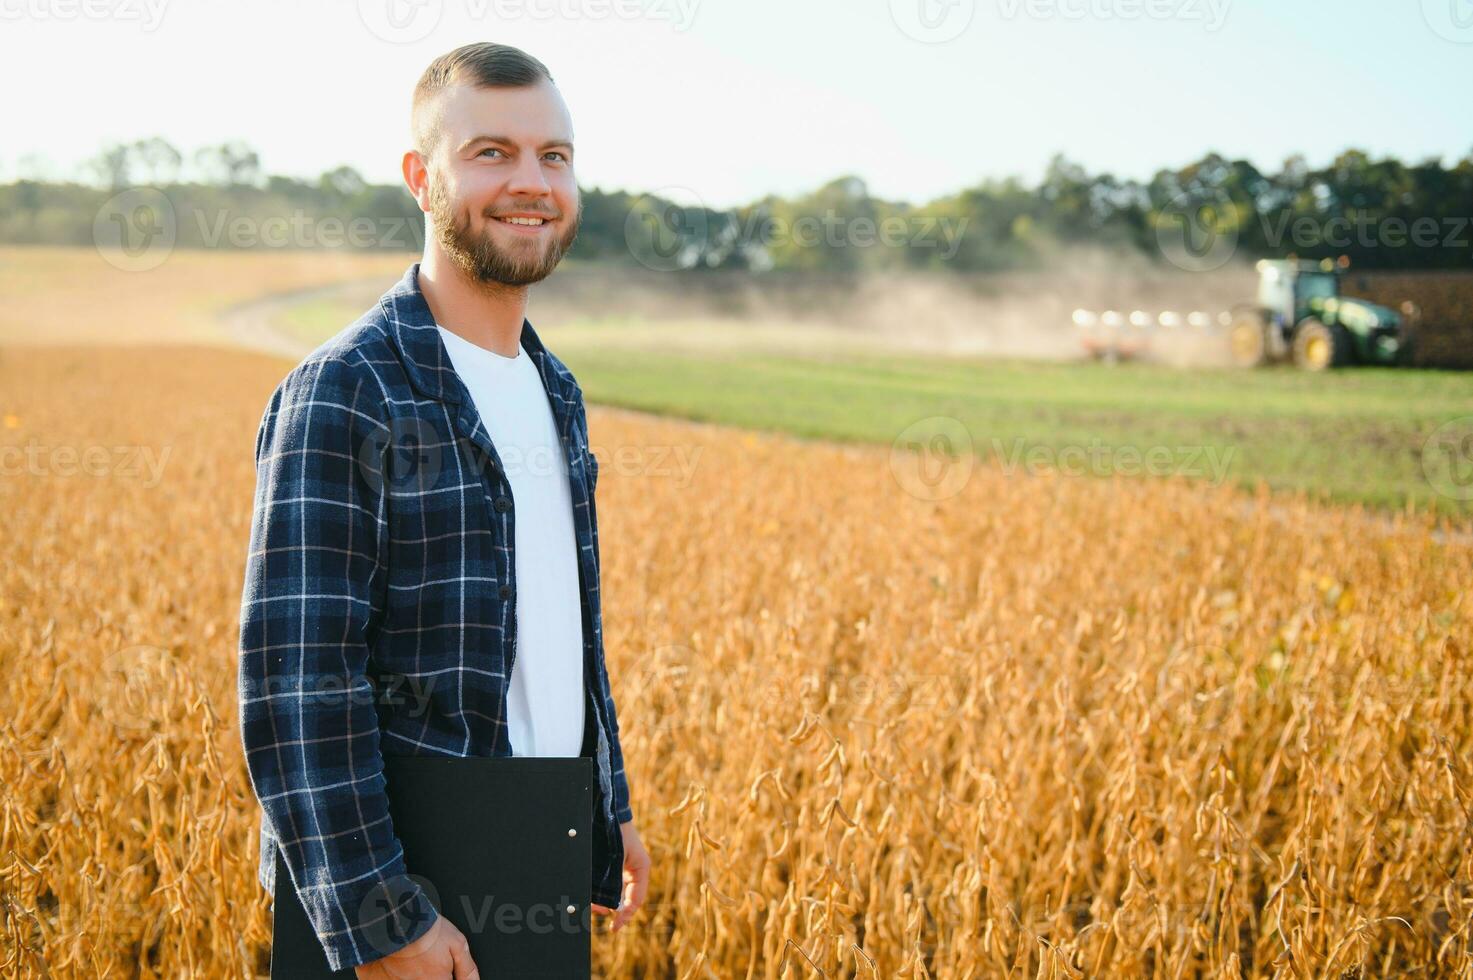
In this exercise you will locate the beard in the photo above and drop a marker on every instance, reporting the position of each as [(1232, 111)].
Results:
[(478, 255)]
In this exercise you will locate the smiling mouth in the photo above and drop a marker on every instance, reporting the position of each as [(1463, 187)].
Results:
[(524, 222)]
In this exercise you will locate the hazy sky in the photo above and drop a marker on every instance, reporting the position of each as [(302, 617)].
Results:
[(731, 99)]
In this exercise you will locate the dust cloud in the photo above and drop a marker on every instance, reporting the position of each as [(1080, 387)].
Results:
[(1028, 315)]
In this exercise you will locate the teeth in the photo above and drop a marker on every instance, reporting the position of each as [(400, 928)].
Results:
[(523, 221)]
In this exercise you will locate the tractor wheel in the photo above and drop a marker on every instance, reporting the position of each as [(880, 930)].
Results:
[(1318, 347), (1248, 338)]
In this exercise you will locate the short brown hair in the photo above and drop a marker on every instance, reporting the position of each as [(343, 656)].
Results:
[(484, 65)]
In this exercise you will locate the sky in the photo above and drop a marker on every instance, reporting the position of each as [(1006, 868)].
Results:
[(725, 101)]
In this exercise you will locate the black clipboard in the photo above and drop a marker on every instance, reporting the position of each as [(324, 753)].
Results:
[(503, 846)]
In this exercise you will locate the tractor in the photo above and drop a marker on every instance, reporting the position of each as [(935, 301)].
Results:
[(1300, 315)]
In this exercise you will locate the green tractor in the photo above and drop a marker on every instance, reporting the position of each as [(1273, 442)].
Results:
[(1300, 315)]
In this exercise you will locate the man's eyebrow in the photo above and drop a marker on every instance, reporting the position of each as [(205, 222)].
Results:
[(493, 138)]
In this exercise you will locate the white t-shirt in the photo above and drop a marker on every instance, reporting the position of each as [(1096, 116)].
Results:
[(545, 697)]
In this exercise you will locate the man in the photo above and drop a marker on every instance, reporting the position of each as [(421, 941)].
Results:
[(423, 575)]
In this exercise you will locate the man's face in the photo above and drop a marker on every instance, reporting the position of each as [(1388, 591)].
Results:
[(504, 153)]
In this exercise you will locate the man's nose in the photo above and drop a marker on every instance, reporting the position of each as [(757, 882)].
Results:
[(528, 177)]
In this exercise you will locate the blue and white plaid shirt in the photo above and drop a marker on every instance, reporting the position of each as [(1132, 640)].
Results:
[(378, 615)]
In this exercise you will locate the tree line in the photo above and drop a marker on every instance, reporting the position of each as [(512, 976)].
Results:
[(1380, 213)]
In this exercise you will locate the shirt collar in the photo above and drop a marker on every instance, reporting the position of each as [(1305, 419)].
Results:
[(412, 328)]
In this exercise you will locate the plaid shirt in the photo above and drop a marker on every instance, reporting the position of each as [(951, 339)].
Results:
[(378, 614)]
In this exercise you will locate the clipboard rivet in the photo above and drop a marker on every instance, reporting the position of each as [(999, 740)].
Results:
[(572, 831), (572, 909)]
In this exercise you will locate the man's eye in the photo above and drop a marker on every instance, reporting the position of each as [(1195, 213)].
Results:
[(558, 154), (489, 149)]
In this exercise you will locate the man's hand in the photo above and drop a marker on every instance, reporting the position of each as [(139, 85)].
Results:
[(440, 954), (636, 878)]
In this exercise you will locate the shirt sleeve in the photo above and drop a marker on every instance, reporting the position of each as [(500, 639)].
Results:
[(308, 722), (616, 760)]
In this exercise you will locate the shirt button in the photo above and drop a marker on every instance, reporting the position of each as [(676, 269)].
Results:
[(503, 504), (504, 592), (572, 831), (572, 909)]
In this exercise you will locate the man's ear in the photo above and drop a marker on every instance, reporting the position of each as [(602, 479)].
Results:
[(417, 178)]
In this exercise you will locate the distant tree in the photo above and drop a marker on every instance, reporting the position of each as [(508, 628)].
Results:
[(840, 226), (231, 164), (27, 201), (158, 160), (113, 166), (343, 182), (1067, 194), (827, 229)]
